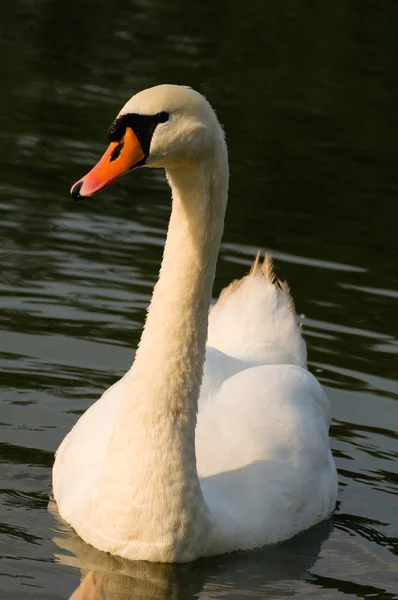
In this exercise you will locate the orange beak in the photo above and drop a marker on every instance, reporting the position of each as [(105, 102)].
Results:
[(120, 157)]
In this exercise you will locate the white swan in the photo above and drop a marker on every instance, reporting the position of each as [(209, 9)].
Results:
[(146, 475)]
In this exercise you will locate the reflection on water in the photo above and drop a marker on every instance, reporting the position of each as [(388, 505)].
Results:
[(262, 573), (241, 575), (307, 93)]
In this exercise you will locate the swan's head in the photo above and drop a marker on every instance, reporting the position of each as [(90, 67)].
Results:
[(164, 126)]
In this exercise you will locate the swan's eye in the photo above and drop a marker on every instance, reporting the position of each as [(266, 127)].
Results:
[(163, 117)]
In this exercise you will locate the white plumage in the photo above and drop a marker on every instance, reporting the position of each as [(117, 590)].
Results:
[(167, 466)]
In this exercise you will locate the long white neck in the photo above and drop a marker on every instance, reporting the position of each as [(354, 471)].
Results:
[(172, 347), (154, 438)]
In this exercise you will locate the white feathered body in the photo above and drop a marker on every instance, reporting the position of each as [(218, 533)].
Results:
[(262, 441)]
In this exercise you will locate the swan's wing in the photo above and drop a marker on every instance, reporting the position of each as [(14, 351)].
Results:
[(217, 368), (254, 320), (263, 454), (81, 454), (261, 413)]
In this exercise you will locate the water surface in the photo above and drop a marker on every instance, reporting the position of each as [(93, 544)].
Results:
[(308, 95)]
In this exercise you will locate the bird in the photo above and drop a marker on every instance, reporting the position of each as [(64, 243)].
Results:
[(217, 438)]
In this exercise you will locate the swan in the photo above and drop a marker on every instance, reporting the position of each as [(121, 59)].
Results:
[(199, 449)]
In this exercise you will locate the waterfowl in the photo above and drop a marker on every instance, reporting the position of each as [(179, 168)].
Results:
[(217, 438)]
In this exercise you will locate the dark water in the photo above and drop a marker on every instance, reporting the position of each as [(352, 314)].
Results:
[(308, 94)]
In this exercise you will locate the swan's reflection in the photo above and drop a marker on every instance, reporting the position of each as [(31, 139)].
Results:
[(243, 573)]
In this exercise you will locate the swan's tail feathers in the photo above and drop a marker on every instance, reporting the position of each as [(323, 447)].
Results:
[(267, 268), (89, 589), (255, 319)]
